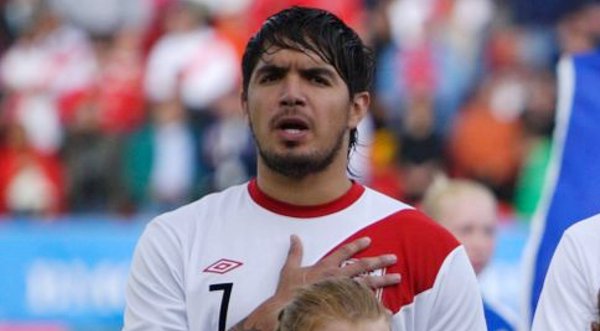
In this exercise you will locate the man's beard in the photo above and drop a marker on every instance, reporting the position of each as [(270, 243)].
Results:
[(299, 166)]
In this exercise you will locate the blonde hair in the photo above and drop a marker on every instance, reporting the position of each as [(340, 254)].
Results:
[(336, 299), (443, 188)]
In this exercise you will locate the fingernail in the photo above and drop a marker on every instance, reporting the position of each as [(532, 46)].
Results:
[(395, 277), (365, 240), (390, 258)]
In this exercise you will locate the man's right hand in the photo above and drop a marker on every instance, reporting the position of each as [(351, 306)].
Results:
[(293, 276)]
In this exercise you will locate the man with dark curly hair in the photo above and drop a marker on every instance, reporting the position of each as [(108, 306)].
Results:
[(233, 259)]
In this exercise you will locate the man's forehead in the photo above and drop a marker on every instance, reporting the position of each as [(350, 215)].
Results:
[(285, 57)]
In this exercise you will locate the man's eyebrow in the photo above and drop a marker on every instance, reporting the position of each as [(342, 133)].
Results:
[(269, 69), (320, 71)]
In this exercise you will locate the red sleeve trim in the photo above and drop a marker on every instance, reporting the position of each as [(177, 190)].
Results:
[(286, 209), (421, 246)]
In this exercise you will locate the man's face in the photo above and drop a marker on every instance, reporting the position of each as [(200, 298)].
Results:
[(300, 112)]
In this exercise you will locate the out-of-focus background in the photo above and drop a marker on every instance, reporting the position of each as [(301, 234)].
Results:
[(112, 111)]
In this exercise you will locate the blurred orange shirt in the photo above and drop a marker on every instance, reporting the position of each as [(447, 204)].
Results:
[(484, 147)]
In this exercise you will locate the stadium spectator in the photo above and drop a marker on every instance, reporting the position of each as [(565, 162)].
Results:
[(31, 183), (118, 89), (97, 121), (421, 148), (579, 27), (105, 18), (159, 161), (194, 63), (51, 60), (538, 125), (485, 143), (87, 154), (228, 147), (191, 61)]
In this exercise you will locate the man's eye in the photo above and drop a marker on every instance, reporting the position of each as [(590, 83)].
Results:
[(320, 80), (268, 78)]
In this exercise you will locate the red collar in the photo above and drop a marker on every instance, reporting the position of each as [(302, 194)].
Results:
[(286, 209)]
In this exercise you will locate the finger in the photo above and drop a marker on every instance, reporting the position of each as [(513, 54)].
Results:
[(294, 258), (348, 250), (376, 282), (368, 264)]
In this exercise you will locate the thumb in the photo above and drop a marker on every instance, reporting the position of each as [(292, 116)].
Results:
[(294, 258)]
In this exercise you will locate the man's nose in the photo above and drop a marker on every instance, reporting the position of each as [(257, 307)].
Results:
[(292, 93)]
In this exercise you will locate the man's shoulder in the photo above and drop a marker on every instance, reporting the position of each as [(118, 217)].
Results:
[(210, 204), (421, 244), (415, 220), (422, 247), (423, 241), (382, 199), (413, 227), (585, 233), (590, 225), (409, 225)]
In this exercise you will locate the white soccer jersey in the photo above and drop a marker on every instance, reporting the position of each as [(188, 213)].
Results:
[(569, 298), (207, 265)]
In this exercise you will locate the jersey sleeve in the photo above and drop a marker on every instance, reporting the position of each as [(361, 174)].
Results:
[(564, 303), (154, 296), (457, 303), (438, 288)]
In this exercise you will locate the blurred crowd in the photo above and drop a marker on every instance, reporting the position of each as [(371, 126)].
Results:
[(128, 106)]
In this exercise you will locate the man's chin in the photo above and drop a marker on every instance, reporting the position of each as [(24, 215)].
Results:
[(295, 153), (297, 160), (296, 164)]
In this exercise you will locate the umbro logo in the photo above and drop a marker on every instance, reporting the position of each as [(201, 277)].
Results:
[(222, 266)]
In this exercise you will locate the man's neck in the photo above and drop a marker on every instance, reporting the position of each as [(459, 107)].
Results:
[(311, 190)]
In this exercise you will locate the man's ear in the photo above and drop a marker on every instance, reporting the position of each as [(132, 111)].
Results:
[(358, 109)]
